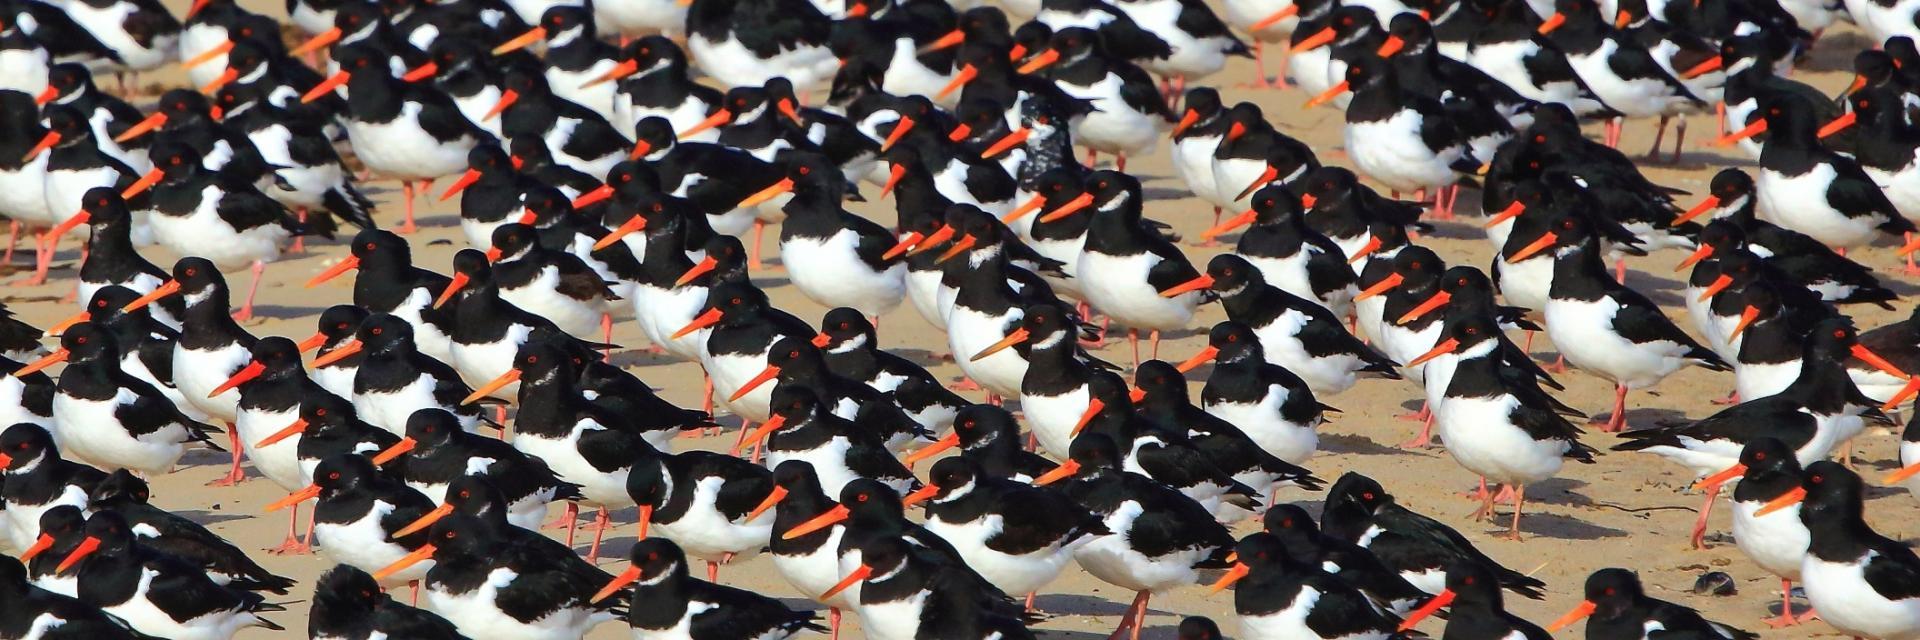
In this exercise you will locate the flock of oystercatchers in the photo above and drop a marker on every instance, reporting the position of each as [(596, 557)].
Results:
[(447, 410)]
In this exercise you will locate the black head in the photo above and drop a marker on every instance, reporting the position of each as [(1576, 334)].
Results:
[(1469, 330), (980, 424), (1204, 101), (1356, 489), (529, 153), (247, 54), (1235, 342), (1093, 451), (473, 264), (1031, 38), (655, 557), (1351, 20), (513, 239), (183, 106), (87, 341), (105, 207), (385, 333), (952, 474), (120, 489), (341, 321), (175, 160), (197, 276), (1873, 66), (65, 524), (1232, 274), (793, 403), (1058, 186), (432, 426), (1413, 30), (796, 476), (111, 530), (1261, 549), (1276, 205), (1161, 381), (488, 158), (380, 244), (24, 445), (1286, 520), (1730, 184), (276, 353), (1328, 184), (1834, 493), (807, 168), (344, 588), (1045, 322), (747, 104), (460, 536), (737, 301), (343, 473), (537, 359), (1198, 628), (1074, 43), (1110, 389), (1768, 455), (1115, 192), (476, 496), (1473, 583), (655, 52), (558, 20), (845, 328), (526, 81), (867, 500), (1612, 591), (69, 122), (1463, 280), (327, 412), (69, 78), (655, 134)]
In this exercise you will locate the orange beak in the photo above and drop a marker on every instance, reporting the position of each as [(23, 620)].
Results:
[(1275, 17), (1838, 124), (401, 448), (46, 142), (950, 441), (1705, 251), (1553, 22), (422, 72), (960, 132), (1392, 46), (47, 95), (339, 353), (632, 224), (308, 493), (1187, 120), (1785, 500), (425, 521), (1041, 61), (1033, 204), (895, 171), (1069, 208), (243, 376), (708, 319), (1314, 41), (759, 433), (1372, 245), (62, 326), (1718, 285), (1709, 204), (1445, 347), (142, 127), (1066, 470), (851, 579), (1868, 356), (86, 548), (831, 517), (922, 494), (349, 263), (1747, 316), (821, 340), (622, 70), (1512, 211), (1912, 388), (318, 40), (1227, 579), (521, 41), (1901, 474), (1328, 95), (1094, 407), (1384, 285), (630, 576), (49, 360), (509, 377), (785, 185), (1546, 240), (424, 552), (940, 237), (906, 243), (467, 179), (965, 243), (900, 130), (507, 98), (326, 86), (1018, 336), (1714, 481), (705, 265), (952, 39), (145, 182), (40, 545), (967, 74), (1204, 356), (1244, 218), (1266, 176), (312, 342), (769, 373), (773, 498), (454, 285), (225, 78), (1016, 138), (288, 431), (1579, 611), (68, 224), (1708, 66), (1758, 127), (1439, 299), (167, 288), (1444, 598), (718, 118), (1196, 284), (593, 197)]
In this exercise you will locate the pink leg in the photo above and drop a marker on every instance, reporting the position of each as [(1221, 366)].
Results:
[(1732, 398), (1425, 413), (1133, 338), (1519, 502), (1425, 439), (601, 522), (833, 621), (1700, 525), (1911, 270), (13, 240), (42, 260), (606, 331), (1659, 136), (706, 401), (1559, 365), (416, 592), (1620, 270), (1120, 162), (292, 545), (406, 193), (1618, 421), (1156, 344), (74, 293), (234, 474), (253, 288), (299, 242), (500, 418)]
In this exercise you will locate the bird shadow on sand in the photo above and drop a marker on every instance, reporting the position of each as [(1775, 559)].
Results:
[(1555, 526), (1637, 418), (281, 312), (1837, 53), (210, 518), (1358, 444), (1056, 605)]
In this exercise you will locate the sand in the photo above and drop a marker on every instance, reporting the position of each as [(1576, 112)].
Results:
[(1629, 510)]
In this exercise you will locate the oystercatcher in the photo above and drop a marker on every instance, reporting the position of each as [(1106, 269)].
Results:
[(1278, 596), (1129, 114), (111, 418), (1270, 404), (1472, 599), (1808, 188), (989, 436), (1294, 333), (39, 609), (156, 593), (840, 450), (1616, 606), (1813, 264), (37, 480), (1360, 511), (348, 604), (702, 501), (1850, 573), (224, 222), (438, 452), (113, 260), (492, 586), (1126, 266), (666, 602), (1345, 560), (393, 378), (1776, 541), (359, 511), (180, 537)]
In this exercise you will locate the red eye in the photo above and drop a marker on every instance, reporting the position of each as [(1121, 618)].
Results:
[(736, 301), (1472, 331), (319, 412), (376, 331), (369, 246), (657, 207), (653, 556), (533, 359), (861, 498), (1816, 478), (1467, 580), (1839, 333), (805, 170), (793, 354), (333, 476), (968, 424), (1567, 224), (624, 177), (1233, 337), (740, 103), (1540, 138), (451, 535), (1759, 455), (343, 325), (102, 304), (465, 494), (1267, 202), (80, 340), (845, 325), (1611, 591), (1367, 496)]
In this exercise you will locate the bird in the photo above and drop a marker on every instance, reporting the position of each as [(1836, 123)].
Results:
[(1853, 576), (1617, 606), (348, 603), (1472, 599), (358, 514), (666, 602), (1277, 595), (126, 423), (155, 593)]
